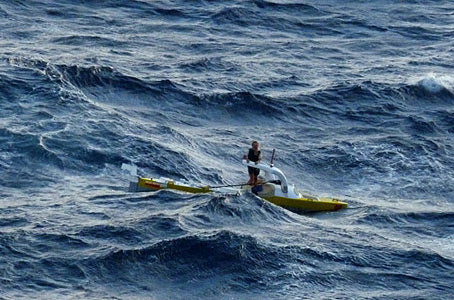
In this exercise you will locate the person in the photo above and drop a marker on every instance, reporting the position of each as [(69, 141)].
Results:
[(253, 155)]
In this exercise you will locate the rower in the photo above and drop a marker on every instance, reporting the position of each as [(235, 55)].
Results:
[(253, 155), (271, 173)]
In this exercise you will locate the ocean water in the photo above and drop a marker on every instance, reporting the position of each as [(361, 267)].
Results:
[(357, 97)]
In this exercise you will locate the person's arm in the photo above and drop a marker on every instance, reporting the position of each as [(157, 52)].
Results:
[(246, 156), (260, 157)]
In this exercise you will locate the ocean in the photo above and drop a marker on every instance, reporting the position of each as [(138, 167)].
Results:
[(357, 98)]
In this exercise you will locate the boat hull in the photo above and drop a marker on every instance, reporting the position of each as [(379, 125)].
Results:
[(307, 205), (293, 204), (150, 184)]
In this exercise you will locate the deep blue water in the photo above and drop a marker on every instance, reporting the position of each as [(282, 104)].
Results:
[(356, 96)]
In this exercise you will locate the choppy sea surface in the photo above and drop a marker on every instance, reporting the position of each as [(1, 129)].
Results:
[(357, 97)]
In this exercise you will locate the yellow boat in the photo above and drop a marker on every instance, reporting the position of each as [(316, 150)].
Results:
[(274, 188)]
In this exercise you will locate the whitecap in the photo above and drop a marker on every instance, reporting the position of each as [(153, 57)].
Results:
[(434, 83)]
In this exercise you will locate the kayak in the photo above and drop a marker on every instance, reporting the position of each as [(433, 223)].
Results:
[(272, 187)]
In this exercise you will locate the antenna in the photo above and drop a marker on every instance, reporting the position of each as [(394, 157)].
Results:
[(272, 158)]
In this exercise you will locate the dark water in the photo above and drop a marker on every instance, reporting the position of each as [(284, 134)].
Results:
[(356, 97)]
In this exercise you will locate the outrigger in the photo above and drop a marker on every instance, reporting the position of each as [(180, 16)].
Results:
[(273, 187)]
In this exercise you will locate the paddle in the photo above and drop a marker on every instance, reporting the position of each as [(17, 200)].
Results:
[(232, 185)]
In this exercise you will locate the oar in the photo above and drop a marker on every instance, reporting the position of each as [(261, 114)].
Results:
[(240, 184), (227, 185)]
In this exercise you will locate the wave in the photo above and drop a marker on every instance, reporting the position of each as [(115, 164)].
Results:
[(269, 16), (79, 152), (239, 261), (86, 77), (241, 105), (437, 84), (420, 32), (87, 41), (106, 85), (236, 15), (370, 98), (117, 236), (29, 145), (246, 208), (190, 257), (420, 223), (286, 6), (13, 222), (431, 89), (215, 64), (41, 261)]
